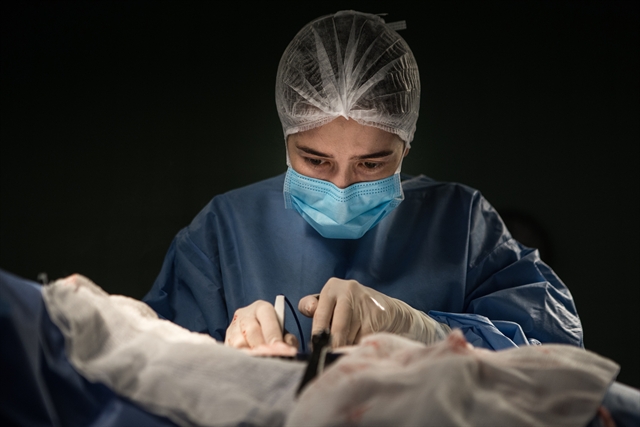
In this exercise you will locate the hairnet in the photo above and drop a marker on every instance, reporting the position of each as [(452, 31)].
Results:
[(349, 64)]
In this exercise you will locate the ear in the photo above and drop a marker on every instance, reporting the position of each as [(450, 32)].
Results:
[(290, 139), (405, 145)]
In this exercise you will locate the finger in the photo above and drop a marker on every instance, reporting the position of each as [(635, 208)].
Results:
[(291, 340), (354, 330), (233, 336), (341, 323), (229, 336), (269, 324), (308, 305), (323, 314), (251, 331)]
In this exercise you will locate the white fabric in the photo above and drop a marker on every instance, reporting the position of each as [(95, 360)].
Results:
[(389, 380), (186, 376), (348, 64)]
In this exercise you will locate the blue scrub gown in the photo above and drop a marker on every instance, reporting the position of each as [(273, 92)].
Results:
[(443, 250)]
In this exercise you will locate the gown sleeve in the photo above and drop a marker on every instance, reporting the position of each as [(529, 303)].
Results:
[(188, 291), (512, 297)]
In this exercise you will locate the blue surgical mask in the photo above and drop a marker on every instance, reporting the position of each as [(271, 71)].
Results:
[(341, 213)]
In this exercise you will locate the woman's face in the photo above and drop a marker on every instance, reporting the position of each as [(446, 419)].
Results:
[(344, 152)]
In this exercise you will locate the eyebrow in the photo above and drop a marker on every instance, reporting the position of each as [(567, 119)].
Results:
[(377, 154)]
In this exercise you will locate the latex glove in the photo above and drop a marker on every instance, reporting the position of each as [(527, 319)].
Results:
[(256, 325), (352, 311)]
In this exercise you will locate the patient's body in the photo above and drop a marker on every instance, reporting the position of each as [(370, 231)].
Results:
[(387, 379), (193, 380)]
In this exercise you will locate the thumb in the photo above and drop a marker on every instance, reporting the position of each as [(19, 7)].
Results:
[(308, 305)]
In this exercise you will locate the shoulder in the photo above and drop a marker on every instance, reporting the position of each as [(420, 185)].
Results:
[(237, 210), (266, 187), (449, 201), (423, 187), (241, 202), (458, 207), (249, 194)]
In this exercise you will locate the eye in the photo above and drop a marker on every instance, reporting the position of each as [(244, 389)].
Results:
[(371, 165), (313, 161)]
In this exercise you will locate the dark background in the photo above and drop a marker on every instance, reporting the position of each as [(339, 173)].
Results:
[(120, 121)]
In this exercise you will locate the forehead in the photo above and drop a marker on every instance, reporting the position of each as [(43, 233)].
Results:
[(346, 134)]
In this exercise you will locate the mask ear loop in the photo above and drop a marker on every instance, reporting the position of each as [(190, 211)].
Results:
[(286, 150), (399, 168), (295, 316)]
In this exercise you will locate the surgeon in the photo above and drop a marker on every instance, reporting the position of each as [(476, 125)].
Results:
[(359, 246)]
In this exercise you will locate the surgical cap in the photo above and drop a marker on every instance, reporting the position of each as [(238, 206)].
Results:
[(349, 64)]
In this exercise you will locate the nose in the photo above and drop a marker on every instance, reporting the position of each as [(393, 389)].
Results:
[(344, 178)]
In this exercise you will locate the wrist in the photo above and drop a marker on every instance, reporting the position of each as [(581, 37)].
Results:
[(418, 326)]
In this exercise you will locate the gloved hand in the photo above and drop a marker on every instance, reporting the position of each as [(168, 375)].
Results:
[(353, 311), (256, 325)]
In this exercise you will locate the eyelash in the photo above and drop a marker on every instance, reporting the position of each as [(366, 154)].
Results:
[(369, 166), (313, 162), (372, 165)]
